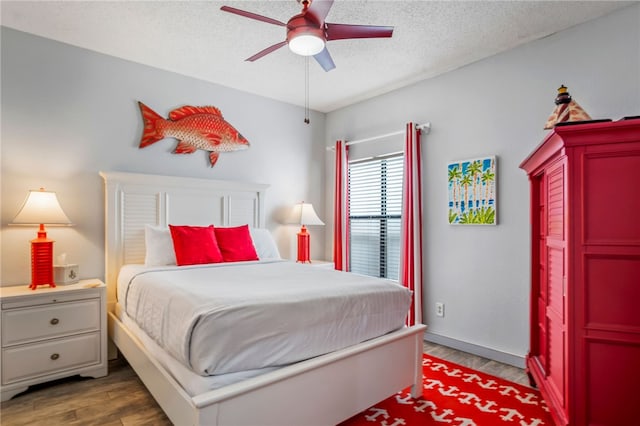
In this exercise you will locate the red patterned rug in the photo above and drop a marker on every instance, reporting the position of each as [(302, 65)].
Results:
[(458, 396)]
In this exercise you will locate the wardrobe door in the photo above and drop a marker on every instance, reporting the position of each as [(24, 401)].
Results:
[(609, 278), (555, 309)]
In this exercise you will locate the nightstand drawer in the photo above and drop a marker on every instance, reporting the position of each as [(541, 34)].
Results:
[(38, 359), (49, 321)]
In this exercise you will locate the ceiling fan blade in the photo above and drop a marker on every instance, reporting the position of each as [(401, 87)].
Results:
[(344, 31), (325, 60), (252, 16), (266, 51), (319, 9)]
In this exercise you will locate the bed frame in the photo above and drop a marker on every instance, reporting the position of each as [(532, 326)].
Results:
[(321, 391)]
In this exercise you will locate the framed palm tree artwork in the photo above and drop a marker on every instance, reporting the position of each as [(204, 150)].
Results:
[(472, 192)]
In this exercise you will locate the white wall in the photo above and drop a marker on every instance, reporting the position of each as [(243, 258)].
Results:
[(497, 106), (68, 113)]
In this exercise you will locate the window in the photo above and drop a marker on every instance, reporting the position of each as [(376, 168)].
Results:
[(375, 209)]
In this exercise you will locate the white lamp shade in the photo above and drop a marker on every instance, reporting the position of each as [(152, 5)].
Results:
[(306, 45), (41, 207), (304, 214)]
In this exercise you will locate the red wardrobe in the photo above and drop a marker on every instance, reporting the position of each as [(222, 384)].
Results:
[(585, 272)]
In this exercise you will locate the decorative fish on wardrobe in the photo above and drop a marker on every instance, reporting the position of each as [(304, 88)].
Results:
[(195, 128)]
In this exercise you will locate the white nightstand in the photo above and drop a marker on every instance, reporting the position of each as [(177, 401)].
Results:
[(50, 333)]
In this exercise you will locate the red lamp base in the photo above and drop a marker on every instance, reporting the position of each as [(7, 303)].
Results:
[(41, 262), (303, 246)]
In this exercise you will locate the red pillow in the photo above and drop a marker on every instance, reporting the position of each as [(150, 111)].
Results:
[(195, 245), (236, 243)]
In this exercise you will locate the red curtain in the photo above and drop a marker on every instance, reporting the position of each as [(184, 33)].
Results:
[(411, 228), (341, 209)]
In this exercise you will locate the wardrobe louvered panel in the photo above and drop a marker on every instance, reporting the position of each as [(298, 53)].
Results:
[(138, 210), (555, 322), (555, 203), (556, 245)]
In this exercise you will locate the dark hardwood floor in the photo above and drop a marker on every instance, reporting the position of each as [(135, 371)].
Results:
[(115, 400), (120, 399)]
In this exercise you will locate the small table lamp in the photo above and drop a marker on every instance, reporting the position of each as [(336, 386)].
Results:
[(41, 207), (304, 214)]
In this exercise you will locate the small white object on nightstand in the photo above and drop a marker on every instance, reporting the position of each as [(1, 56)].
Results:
[(65, 274), (51, 333)]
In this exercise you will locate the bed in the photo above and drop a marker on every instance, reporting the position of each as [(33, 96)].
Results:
[(321, 390)]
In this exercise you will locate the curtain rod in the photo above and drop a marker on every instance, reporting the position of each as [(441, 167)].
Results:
[(424, 127)]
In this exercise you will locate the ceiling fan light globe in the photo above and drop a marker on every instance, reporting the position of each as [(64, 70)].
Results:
[(306, 44)]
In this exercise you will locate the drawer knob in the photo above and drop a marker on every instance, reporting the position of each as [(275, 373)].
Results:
[(54, 321), (55, 356)]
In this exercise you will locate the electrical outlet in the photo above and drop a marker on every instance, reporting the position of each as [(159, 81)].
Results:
[(440, 309)]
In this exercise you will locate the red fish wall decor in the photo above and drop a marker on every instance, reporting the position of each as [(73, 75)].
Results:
[(194, 128)]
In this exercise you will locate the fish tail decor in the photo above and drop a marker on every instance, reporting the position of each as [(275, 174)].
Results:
[(195, 128)]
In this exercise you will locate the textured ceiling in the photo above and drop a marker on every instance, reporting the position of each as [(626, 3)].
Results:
[(197, 39)]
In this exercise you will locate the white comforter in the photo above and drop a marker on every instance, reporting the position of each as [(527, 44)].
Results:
[(231, 317)]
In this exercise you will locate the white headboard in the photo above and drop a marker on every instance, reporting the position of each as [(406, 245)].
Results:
[(133, 200)]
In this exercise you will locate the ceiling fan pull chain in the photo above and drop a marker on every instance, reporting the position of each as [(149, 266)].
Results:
[(306, 90)]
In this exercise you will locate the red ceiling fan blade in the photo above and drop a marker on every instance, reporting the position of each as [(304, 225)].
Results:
[(266, 51), (252, 16), (319, 9), (325, 60), (344, 31)]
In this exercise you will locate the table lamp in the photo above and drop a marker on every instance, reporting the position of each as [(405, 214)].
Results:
[(304, 214), (41, 207)]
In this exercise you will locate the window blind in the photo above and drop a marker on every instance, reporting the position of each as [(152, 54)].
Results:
[(375, 209)]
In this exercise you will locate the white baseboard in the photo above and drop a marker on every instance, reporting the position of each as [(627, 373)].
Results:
[(504, 357)]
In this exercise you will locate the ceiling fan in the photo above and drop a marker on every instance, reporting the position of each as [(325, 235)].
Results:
[(308, 33)]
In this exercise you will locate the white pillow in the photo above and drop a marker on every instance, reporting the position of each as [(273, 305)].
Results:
[(159, 246), (265, 245)]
